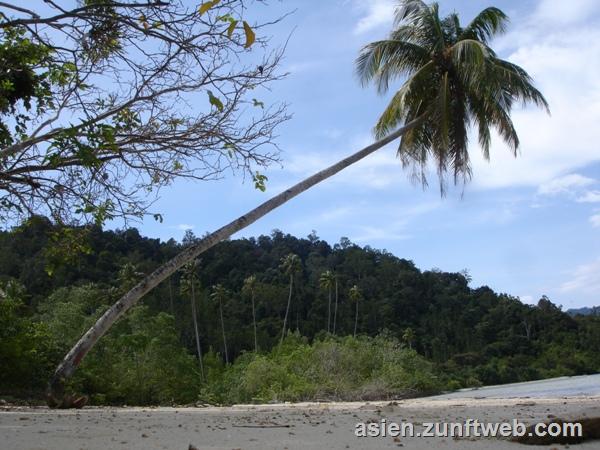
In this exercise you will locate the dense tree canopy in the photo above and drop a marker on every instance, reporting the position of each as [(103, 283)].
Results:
[(472, 336)]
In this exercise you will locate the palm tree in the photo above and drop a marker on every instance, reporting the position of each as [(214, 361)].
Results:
[(355, 296), (128, 276), (335, 309), (219, 294), (326, 281), (409, 337), (249, 287), (452, 79), (290, 265), (189, 283), (13, 291)]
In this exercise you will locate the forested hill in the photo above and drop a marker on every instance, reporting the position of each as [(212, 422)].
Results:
[(472, 335)]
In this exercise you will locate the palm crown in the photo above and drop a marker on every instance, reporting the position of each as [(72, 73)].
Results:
[(219, 293), (249, 284), (291, 264), (326, 279), (453, 80)]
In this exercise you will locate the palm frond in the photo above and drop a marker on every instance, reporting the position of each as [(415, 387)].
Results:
[(402, 101), (517, 82), (443, 111), (385, 60), (408, 10), (487, 24), (478, 114), (469, 55), (432, 27)]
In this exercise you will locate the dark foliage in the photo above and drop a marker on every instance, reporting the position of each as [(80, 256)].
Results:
[(472, 336)]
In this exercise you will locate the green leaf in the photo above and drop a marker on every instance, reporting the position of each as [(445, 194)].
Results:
[(260, 181), (230, 149), (250, 36), (206, 6), (226, 18), (257, 103), (231, 28), (215, 101)]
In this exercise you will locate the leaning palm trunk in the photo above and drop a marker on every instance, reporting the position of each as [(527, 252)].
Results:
[(197, 335), (72, 360), (287, 309)]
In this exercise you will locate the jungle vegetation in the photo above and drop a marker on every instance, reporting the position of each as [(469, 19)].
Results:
[(416, 331)]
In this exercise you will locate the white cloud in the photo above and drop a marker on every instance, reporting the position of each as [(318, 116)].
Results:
[(585, 278), (589, 197), (182, 227), (561, 12), (369, 234), (376, 14), (595, 221), (566, 73), (565, 184)]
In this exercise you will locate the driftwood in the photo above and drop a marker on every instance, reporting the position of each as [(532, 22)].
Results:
[(590, 430)]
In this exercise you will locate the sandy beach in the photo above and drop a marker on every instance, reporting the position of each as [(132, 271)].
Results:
[(278, 426)]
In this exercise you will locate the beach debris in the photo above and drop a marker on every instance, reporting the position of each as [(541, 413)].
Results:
[(590, 431), (67, 402), (266, 425)]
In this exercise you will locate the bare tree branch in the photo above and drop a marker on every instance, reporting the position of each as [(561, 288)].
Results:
[(129, 97)]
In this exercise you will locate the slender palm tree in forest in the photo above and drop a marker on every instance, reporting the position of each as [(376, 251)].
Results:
[(335, 309), (355, 296), (409, 337), (452, 80), (13, 291), (189, 284), (128, 276), (219, 294), (249, 288), (290, 265), (326, 282)]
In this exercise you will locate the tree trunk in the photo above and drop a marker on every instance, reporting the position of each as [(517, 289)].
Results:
[(356, 319), (336, 304), (223, 330), (287, 309), (329, 311), (74, 357), (254, 321), (195, 320), (171, 297)]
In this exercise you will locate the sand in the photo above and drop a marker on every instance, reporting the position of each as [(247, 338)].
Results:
[(280, 426)]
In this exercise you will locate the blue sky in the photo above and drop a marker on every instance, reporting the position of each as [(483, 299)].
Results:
[(526, 226)]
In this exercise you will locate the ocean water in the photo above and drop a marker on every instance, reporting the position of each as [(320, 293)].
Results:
[(584, 385)]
